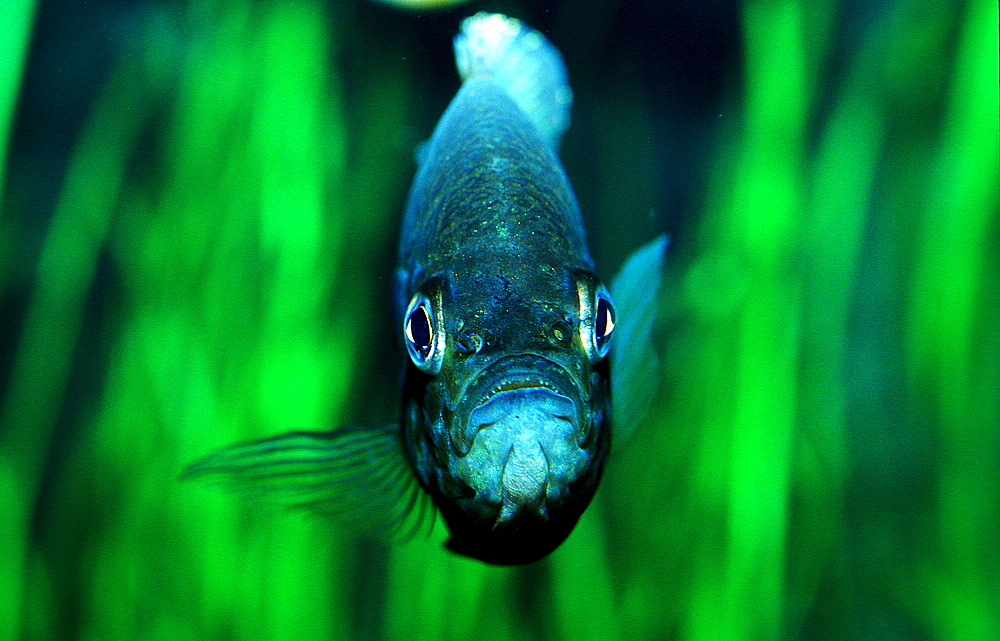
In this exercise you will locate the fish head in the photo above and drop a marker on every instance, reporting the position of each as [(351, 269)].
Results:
[(507, 405)]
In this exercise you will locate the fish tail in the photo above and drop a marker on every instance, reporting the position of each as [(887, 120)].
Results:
[(523, 62)]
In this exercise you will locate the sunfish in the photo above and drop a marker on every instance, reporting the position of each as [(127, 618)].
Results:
[(516, 352)]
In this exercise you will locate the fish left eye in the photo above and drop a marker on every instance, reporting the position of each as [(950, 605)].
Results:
[(421, 334), (605, 323), (597, 318)]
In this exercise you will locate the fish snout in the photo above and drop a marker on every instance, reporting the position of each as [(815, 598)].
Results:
[(528, 443), (524, 452)]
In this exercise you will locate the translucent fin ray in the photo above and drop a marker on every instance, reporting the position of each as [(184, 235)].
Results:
[(636, 368), (358, 476)]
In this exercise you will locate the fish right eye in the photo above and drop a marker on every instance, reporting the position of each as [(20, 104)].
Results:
[(605, 323), (422, 335), (418, 330)]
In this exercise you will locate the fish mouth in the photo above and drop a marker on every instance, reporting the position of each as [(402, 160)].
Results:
[(512, 379), (521, 443)]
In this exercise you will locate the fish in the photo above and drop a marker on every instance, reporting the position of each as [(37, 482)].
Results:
[(519, 362)]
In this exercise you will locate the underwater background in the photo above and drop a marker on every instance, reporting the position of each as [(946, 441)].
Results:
[(200, 204)]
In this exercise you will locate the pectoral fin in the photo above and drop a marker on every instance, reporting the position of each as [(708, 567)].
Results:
[(357, 475), (636, 367)]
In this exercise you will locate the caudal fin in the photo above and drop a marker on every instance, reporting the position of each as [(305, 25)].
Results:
[(521, 61)]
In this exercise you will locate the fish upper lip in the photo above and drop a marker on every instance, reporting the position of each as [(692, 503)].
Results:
[(518, 381), (520, 371), (522, 368)]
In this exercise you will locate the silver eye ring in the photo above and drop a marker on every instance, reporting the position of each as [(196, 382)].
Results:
[(597, 319), (423, 333)]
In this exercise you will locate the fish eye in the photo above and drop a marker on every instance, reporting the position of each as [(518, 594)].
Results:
[(418, 331), (597, 320), (423, 334), (605, 322)]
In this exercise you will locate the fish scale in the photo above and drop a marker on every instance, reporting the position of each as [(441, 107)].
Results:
[(459, 189)]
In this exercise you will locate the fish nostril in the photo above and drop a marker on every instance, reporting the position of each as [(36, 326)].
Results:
[(560, 333), (468, 344)]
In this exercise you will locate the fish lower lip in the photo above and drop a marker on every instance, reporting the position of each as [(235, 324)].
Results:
[(522, 450), (511, 382)]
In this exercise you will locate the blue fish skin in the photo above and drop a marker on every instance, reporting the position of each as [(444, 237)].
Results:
[(490, 184), (508, 428)]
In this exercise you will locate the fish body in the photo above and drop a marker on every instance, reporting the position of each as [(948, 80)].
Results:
[(510, 432), (506, 413)]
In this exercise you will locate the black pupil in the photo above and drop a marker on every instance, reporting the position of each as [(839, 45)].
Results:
[(605, 319), (420, 330)]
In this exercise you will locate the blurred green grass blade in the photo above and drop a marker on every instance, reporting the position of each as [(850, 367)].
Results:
[(52, 323), (953, 344), (766, 202), (763, 224), (15, 25), (582, 585), (290, 137), (840, 190), (431, 595), (226, 262)]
